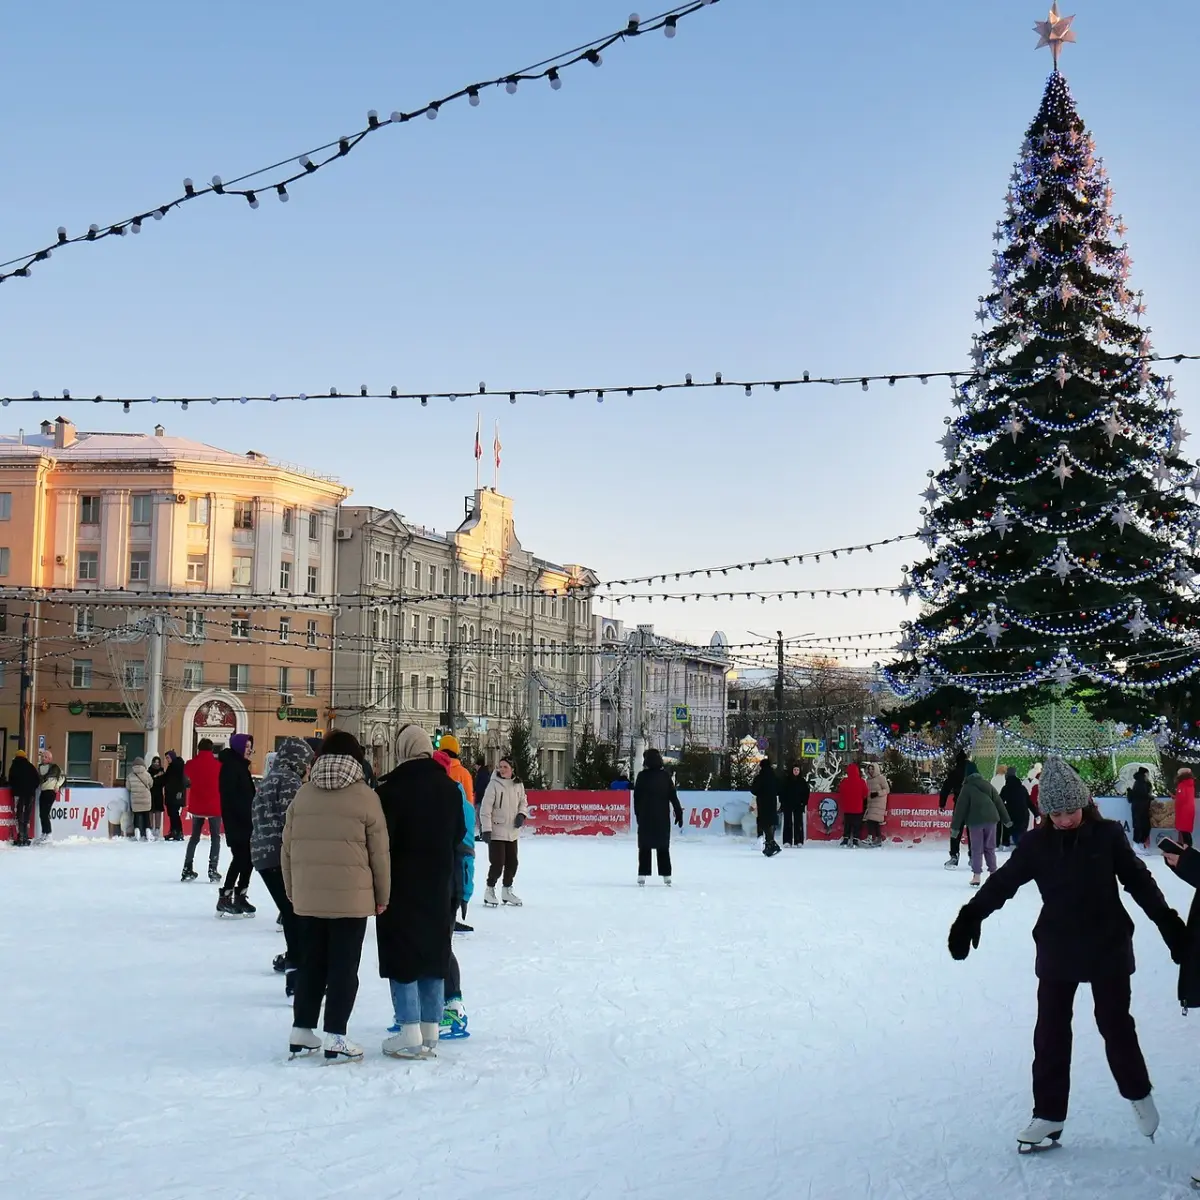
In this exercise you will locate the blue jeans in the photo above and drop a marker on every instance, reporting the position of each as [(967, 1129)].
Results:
[(421, 1001)]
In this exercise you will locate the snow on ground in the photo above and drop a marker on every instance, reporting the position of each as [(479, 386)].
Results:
[(784, 1028)]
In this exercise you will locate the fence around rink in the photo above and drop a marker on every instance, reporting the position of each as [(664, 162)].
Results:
[(911, 819)]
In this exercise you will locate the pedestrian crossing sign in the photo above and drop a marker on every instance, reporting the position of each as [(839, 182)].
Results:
[(810, 748)]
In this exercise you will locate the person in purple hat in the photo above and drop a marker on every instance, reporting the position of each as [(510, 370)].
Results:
[(236, 785)]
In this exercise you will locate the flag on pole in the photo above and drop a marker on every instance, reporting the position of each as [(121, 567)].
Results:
[(478, 443), (496, 445)]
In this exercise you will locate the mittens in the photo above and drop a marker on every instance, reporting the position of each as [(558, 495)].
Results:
[(519, 820), (964, 934), (485, 836)]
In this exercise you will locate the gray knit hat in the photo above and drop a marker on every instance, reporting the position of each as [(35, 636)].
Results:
[(1061, 790)]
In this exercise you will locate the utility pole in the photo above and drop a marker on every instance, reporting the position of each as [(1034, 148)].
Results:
[(452, 680), (26, 684), (779, 699), (638, 721), (152, 718)]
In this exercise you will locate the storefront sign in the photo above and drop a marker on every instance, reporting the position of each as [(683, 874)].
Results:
[(912, 819), (580, 813)]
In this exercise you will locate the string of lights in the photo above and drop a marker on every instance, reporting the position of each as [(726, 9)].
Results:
[(279, 176), (599, 392)]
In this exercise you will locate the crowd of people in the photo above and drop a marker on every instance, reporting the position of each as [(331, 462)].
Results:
[(334, 848)]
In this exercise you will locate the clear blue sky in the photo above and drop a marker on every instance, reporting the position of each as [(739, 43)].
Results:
[(783, 187)]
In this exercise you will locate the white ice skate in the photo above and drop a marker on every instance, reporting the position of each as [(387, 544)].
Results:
[(303, 1042), (1039, 1135), (406, 1044), (511, 898), (489, 899), (431, 1032), (1146, 1113), (339, 1048)]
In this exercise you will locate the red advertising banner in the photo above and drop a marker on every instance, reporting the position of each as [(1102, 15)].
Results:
[(8, 822), (912, 819), (585, 814)]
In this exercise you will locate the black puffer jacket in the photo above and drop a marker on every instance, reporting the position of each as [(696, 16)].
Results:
[(765, 790), (426, 825), (1189, 966), (237, 796), (953, 782), (1016, 799), (1083, 932), (654, 803), (794, 791)]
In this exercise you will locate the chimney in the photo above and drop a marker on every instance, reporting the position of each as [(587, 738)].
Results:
[(47, 428), (64, 433), (159, 431)]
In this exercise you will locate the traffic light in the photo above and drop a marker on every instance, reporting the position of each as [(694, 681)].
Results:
[(841, 738)]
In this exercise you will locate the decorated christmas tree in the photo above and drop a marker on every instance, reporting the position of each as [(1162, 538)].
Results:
[(1061, 539)]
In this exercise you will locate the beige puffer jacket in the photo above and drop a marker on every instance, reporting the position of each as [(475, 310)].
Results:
[(502, 801), (878, 789), (139, 781), (335, 855)]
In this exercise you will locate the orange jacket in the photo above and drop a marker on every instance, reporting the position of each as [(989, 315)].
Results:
[(461, 775)]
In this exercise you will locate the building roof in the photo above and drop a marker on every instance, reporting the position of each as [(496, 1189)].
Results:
[(137, 447)]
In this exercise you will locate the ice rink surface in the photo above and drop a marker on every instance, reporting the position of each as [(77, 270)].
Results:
[(791, 1028)]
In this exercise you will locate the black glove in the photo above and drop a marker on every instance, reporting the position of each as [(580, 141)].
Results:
[(964, 934), (679, 819), (1174, 933), (485, 836), (519, 820)]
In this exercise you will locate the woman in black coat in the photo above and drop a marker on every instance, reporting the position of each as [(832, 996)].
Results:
[(794, 792), (654, 800), (174, 789), (1083, 935), (765, 790), (1187, 867), (423, 808), (1141, 796), (1020, 808)]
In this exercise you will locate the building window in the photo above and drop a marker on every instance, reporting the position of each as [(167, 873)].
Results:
[(89, 510), (239, 626), (542, 650), (446, 580), (311, 638), (416, 631), (193, 676), (139, 566), (283, 681), (5, 506), (198, 510), (383, 566), (314, 580), (311, 681), (81, 672), (239, 677), (431, 630), (414, 684), (492, 699), (135, 675), (89, 564), (433, 579), (85, 622), (243, 514), (193, 624), (445, 693), (289, 522), (429, 693), (314, 527), (5, 561), (285, 576), (243, 567), (445, 631), (381, 685), (197, 568), (140, 509), (416, 576), (285, 629)]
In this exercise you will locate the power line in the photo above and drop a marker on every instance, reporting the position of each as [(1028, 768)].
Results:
[(690, 382), (250, 185)]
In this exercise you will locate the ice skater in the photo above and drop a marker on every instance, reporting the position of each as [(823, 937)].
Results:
[(24, 781), (979, 810), (852, 800), (1083, 935), (765, 790), (1020, 808), (878, 790), (1141, 796), (654, 803), (794, 792), (1185, 805), (502, 812), (948, 793)]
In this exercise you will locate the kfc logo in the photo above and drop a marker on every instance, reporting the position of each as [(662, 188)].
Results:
[(827, 810)]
